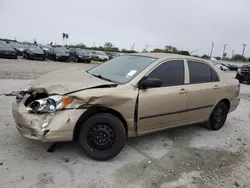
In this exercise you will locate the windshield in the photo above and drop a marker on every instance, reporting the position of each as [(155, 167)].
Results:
[(122, 69), (59, 50), (81, 51), (44, 46), (35, 49), (2, 42), (100, 53), (6, 47)]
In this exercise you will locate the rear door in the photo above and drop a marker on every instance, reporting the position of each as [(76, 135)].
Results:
[(203, 89), (163, 106)]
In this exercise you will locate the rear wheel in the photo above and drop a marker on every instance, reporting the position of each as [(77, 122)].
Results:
[(218, 117), (102, 136)]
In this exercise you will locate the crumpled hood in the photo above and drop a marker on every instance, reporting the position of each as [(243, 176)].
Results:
[(67, 80)]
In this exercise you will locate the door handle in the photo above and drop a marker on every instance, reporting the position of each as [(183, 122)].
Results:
[(183, 91), (216, 87)]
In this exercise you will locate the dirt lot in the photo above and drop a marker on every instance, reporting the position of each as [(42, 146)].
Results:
[(191, 157)]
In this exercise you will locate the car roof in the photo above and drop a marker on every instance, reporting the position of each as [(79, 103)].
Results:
[(167, 56)]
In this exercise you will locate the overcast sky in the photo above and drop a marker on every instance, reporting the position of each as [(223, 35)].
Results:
[(186, 24)]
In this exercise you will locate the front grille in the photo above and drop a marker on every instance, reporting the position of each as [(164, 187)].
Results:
[(245, 71), (39, 55)]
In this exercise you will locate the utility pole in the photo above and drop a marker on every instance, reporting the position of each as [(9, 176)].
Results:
[(224, 50), (133, 47), (243, 51), (146, 49), (232, 54), (212, 50)]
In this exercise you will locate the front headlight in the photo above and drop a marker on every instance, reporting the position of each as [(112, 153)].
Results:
[(49, 104), (57, 55), (239, 71)]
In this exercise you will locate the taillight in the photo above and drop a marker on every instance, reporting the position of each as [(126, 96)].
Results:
[(238, 85)]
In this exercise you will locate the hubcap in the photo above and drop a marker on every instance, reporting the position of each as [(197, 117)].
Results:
[(101, 137), (219, 117)]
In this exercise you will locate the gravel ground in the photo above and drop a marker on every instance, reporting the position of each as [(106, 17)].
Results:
[(190, 157), (28, 69)]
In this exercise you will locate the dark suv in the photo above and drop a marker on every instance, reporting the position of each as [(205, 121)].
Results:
[(243, 74)]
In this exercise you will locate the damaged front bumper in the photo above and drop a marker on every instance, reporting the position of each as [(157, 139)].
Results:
[(46, 127)]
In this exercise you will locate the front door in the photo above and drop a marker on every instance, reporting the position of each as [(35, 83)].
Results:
[(163, 106)]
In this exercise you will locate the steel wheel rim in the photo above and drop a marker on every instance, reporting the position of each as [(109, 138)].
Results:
[(219, 117), (101, 137)]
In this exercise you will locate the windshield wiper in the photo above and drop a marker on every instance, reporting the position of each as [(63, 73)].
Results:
[(103, 78)]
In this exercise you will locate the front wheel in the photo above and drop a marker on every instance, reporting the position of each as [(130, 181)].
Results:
[(102, 136), (218, 117)]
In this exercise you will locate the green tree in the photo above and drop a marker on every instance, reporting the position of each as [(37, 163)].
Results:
[(159, 50), (184, 53), (238, 57), (171, 49), (218, 58), (128, 51), (205, 56), (108, 45), (63, 36)]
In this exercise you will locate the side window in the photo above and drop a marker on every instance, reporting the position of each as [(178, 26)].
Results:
[(171, 73), (201, 73), (215, 77)]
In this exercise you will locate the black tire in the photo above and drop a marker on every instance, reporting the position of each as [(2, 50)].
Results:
[(218, 117), (88, 61), (109, 133)]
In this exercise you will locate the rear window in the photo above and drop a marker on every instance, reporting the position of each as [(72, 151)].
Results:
[(201, 73)]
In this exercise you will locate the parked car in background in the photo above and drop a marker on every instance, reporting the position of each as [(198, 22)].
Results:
[(45, 48), (6, 51), (222, 67), (15, 45), (127, 96), (112, 55), (21, 48), (34, 52), (243, 74), (2, 42), (58, 54), (79, 55), (99, 56), (230, 66)]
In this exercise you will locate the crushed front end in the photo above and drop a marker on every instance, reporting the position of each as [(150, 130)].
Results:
[(40, 116)]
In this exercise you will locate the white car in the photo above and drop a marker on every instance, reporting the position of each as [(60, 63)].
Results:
[(99, 56)]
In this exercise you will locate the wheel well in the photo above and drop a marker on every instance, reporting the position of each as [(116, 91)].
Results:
[(227, 103), (95, 110)]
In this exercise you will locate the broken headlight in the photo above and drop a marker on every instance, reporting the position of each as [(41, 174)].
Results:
[(49, 104)]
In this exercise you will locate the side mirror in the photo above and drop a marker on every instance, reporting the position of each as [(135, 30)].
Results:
[(150, 83)]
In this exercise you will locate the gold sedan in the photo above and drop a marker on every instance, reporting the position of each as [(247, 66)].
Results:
[(128, 96)]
